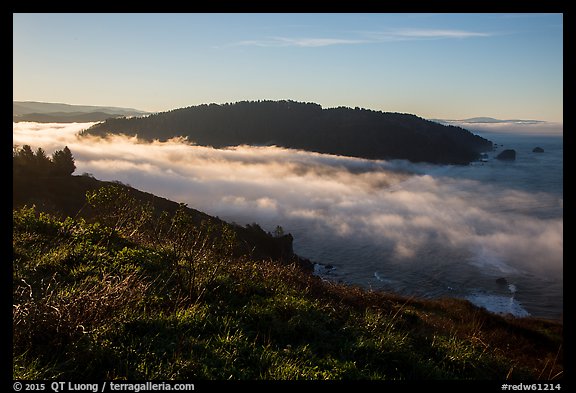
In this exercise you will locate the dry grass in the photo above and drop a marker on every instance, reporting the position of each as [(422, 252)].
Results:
[(54, 314), (125, 309)]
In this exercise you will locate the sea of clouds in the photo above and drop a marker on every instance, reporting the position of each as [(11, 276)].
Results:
[(399, 206)]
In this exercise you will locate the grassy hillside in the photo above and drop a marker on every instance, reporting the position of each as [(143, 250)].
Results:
[(135, 291), (64, 196)]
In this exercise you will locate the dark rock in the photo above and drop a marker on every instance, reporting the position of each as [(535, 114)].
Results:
[(508, 154), (538, 149), (284, 249), (501, 281), (304, 263)]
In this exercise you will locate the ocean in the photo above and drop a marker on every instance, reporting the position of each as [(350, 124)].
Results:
[(490, 232), (503, 253), (482, 272)]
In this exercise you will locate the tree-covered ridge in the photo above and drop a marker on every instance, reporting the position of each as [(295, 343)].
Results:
[(345, 131)]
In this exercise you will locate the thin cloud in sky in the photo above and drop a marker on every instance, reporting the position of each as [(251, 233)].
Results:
[(301, 42), (369, 38), (413, 34), (431, 33)]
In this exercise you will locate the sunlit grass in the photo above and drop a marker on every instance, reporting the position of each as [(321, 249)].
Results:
[(92, 303)]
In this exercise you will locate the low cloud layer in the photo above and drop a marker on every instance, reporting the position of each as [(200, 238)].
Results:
[(401, 208), (517, 127)]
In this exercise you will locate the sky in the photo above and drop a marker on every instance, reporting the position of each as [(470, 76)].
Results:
[(437, 66)]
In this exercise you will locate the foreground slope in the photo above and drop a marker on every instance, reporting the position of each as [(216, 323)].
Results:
[(123, 292), (344, 131)]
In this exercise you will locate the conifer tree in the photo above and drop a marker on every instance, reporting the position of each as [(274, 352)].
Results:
[(63, 162), (24, 160)]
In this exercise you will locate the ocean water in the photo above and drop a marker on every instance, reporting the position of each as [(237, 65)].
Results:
[(490, 273), (490, 232)]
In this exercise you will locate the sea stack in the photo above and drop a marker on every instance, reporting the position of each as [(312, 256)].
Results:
[(508, 154)]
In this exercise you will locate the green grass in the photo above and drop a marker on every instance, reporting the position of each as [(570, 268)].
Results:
[(91, 302)]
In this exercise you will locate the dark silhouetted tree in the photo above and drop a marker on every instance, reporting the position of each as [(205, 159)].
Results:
[(63, 162), (24, 160), (42, 164)]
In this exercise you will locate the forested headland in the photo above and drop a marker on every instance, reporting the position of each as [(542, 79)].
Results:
[(344, 131)]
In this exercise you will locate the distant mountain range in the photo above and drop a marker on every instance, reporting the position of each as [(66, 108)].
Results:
[(46, 112), (343, 131)]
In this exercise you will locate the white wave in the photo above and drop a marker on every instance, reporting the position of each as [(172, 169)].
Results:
[(382, 279), (498, 304)]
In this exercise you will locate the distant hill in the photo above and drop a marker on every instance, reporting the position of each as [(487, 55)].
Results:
[(46, 112), (343, 131), (483, 120)]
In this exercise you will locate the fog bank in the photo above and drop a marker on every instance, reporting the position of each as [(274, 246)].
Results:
[(400, 207)]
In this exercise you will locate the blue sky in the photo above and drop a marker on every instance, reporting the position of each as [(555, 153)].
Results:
[(450, 66)]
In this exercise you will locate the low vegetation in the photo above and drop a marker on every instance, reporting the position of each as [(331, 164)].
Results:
[(97, 301), (135, 293)]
